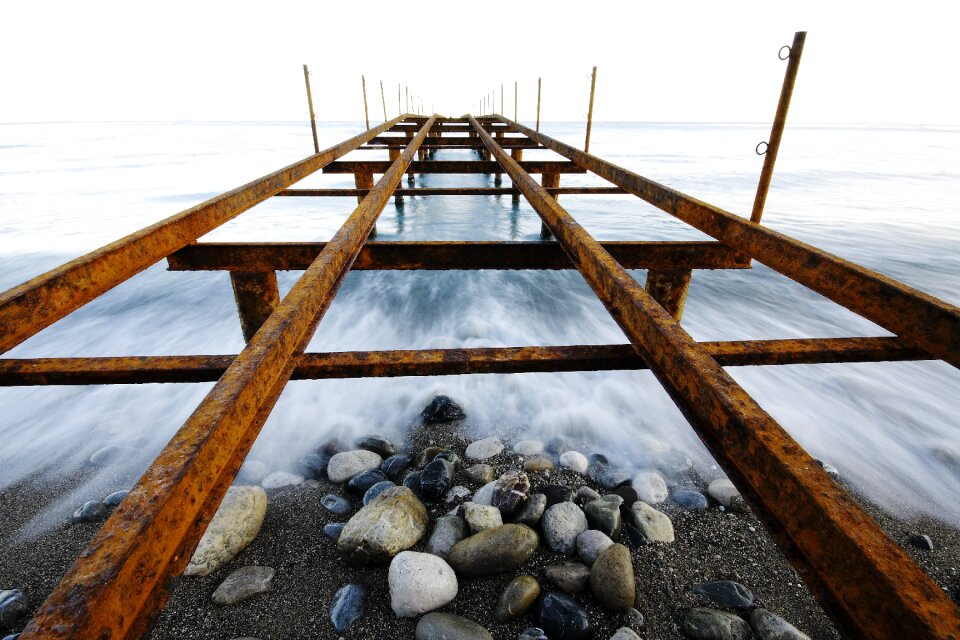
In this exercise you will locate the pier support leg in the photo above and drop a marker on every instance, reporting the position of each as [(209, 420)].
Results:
[(498, 177), (410, 175), (549, 180), (669, 288), (516, 154), (394, 154), (257, 296), (364, 180)]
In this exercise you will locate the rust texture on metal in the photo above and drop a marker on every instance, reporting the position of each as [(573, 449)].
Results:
[(437, 362), (450, 191), (779, 120), (313, 117), (121, 580), (451, 166), (784, 485), (36, 304), (593, 88), (669, 287), (257, 296), (918, 318), (539, 85), (451, 141)]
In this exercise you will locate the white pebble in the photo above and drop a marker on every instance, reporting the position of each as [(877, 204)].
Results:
[(590, 543), (481, 517), (574, 460), (528, 447), (420, 582), (347, 464), (279, 479), (723, 491), (484, 494), (483, 449), (653, 524), (651, 487)]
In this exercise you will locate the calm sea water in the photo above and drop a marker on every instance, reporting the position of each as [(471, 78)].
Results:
[(883, 196)]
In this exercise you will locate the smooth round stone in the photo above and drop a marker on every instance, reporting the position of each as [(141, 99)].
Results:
[(625, 633), (629, 495), (585, 495), (727, 593), (13, 606), (653, 524), (531, 510), (723, 491), (557, 493), (376, 490), (394, 521), (378, 444), (458, 492), (344, 466), (115, 498), (650, 487), (427, 456), (611, 579), (484, 495), (484, 449), (314, 465), (110, 454), (442, 409), (336, 505), (532, 633), (709, 624), (687, 499), (449, 456), (364, 480), (244, 583), (91, 511), (604, 514), (448, 531), (334, 529), (574, 461), (590, 543), (561, 525), (447, 626), (528, 447), (436, 478), (479, 473), (563, 619), (571, 577), (609, 477), (252, 472), (536, 464), (279, 479), (509, 491), (395, 465), (234, 526), (922, 541), (517, 598), (493, 551), (412, 482), (769, 626), (347, 606), (420, 582), (481, 517)]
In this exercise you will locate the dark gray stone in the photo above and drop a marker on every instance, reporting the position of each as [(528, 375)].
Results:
[(115, 498), (364, 480), (448, 531), (604, 515), (688, 499), (922, 541), (478, 473), (727, 593), (531, 511), (556, 493), (244, 583), (333, 529), (449, 456), (609, 477), (426, 456), (563, 619), (91, 511), (709, 624), (636, 537), (395, 465), (436, 478), (336, 505), (13, 606), (447, 626), (585, 495), (412, 482), (442, 409), (510, 491), (348, 605), (629, 495), (532, 633), (634, 619), (376, 490), (314, 465), (377, 444), (572, 577), (770, 626)]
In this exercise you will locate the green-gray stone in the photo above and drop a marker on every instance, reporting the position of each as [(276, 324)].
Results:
[(611, 578), (519, 596), (446, 626), (493, 551)]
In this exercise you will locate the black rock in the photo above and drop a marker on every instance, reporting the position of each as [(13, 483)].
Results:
[(689, 499), (531, 511), (336, 504), (511, 489), (364, 480), (333, 529), (532, 633), (13, 606), (727, 593), (563, 619), (376, 490), (314, 465), (922, 541), (636, 537), (556, 493), (378, 445), (442, 409), (115, 498), (348, 604), (629, 495), (395, 465), (450, 457), (436, 478), (597, 459), (14, 636), (412, 482), (91, 511)]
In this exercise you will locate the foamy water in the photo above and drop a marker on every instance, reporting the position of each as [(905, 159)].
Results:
[(883, 196)]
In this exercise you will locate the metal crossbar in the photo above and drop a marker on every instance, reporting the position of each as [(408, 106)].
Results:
[(117, 587)]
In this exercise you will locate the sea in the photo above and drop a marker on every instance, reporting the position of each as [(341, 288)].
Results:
[(884, 196)]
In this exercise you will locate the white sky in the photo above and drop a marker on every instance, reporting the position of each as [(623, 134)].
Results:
[(662, 61)]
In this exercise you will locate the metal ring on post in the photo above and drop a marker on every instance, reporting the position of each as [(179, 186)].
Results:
[(757, 148), (780, 53)]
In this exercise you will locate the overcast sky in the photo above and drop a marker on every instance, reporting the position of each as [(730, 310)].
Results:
[(663, 61)]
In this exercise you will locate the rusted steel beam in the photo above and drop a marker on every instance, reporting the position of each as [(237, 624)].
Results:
[(437, 362), (294, 256), (38, 303), (451, 166), (119, 583), (456, 141), (669, 287), (451, 191), (871, 587), (257, 296), (915, 316)]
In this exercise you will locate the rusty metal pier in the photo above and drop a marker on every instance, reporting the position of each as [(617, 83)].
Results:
[(116, 588)]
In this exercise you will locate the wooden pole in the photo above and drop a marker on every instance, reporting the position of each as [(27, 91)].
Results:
[(366, 114), (501, 99), (539, 85), (399, 101), (515, 118), (313, 118), (593, 87), (384, 101), (408, 100)]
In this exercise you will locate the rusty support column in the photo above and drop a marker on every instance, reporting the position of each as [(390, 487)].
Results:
[(549, 180), (871, 586), (501, 99), (538, 102), (394, 153), (313, 118), (517, 154), (779, 120), (363, 179), (515, 101), (498, 176), (669, 288), (257, 296), (366, 113), (383, 99), (593, 87)]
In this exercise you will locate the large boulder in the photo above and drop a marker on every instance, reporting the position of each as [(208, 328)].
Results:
[(393, 521)]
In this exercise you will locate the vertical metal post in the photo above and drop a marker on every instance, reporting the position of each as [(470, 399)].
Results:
[(366, 114), (669, 288), (501, 99), (549, 180), (363, 179), (313, 118), (516, 119), (516, 154), (257, 296), (593, 87), (383, 99), (408, 100), (538, 102), (776, 132), (399, 101)]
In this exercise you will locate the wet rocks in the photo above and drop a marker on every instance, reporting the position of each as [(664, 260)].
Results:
[(561, 525), (244, 583), (571, 577), (510, 490), (557, 493), (590, 543), (625, 633), (607, 476), (481, 517), (420, 582), (604, 514), (484, 495), (279, 479), (412, 482), (427, 456), (334, 529), (447, 626), (442, 409), (528, 447), (493, 551), (115, 498), (436, 478), (563, 619), (532, 633), (585, 494), (479, 473), (376, 490), (378, 444), (723, 491), (347, 605), (364, 480), (517, 598), (252, 472), (709, 624), (653, 524), (687, 499), (769, 626), (484, 449), (336, 505), (448, 531), (531, 510), (650, 487), (726, 593), (235, 524), (13, 606), (313, 465), (536, 464), (347, 464), (395, 465), (611, 578), (574, 460), (922, 541), (91, 511), (394, 521)]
